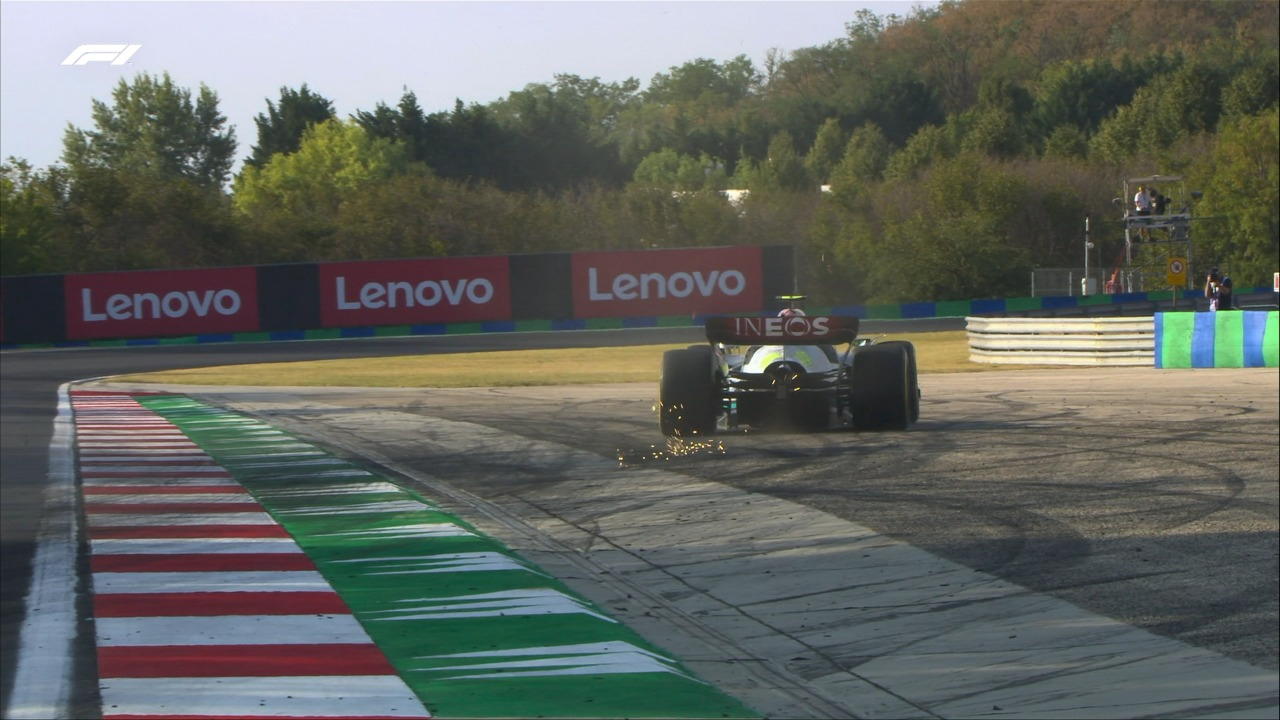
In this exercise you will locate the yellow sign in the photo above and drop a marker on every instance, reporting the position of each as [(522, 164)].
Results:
[(1177, 274)]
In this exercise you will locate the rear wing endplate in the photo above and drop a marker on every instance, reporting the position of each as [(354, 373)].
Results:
[(794, 330)]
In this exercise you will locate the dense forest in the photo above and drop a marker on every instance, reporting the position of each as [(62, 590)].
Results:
[(944, 155)]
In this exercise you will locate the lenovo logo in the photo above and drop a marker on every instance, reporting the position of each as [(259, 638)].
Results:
[(655, 283), (153, 306), (626, 286), (399, 294)]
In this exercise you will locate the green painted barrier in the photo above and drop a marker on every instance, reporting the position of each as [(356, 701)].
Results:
[(1227, 339)]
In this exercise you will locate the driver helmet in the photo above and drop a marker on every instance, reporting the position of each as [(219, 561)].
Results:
[(791, 312)]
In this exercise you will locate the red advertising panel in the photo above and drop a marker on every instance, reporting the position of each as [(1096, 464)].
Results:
[(667, 282), (161, 303), (399, 292)]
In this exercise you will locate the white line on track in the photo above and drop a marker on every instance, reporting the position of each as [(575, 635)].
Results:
[(42, 677), (190, 582), (193, 546), (230, 630), (172, 519), (372, 696)]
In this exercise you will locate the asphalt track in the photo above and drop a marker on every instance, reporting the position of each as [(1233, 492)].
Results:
[(1139, 503)]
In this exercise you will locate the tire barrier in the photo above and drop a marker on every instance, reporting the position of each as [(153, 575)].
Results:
[(1061, 341), (1217, 340)]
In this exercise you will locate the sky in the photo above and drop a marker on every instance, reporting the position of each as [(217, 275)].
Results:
[(360, 53)]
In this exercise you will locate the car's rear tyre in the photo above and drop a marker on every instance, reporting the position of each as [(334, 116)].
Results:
[(913, 377), (687, 394), (885, 394)]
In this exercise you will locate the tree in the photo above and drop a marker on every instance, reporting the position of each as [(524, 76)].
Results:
[(952, 239), (1002, 94), (293, 202), (564, 134), (1251, 91), (122, 221), (604, 102), (417, 214), (670, 170), (928, 145), (699, 107), (152, 129), (1243, 187), (708, 219), (467, 144), (280, 129), (653, 215), (1079, 93), (901, 105), (704, 81), (782, 168), (862, 166), (1066, 141), (957, 38), (1191, 97), (31, 202), (827, 151), (991, 131), (475, 148), (406, 123)]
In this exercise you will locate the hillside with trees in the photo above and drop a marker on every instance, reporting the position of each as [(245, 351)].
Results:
[(960, 148)]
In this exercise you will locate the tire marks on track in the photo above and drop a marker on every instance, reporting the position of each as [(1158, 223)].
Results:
[(879, 626), (1136, 493)]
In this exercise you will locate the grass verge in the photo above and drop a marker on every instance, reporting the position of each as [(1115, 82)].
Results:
[(937, 352)]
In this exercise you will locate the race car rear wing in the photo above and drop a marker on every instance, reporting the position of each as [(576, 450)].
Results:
[(794, 330)]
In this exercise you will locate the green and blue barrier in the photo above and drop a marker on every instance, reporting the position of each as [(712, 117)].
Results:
[(1228, 339)]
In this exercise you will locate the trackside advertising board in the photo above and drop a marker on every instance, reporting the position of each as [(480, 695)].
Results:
[(161, 303), (421, 294), (395, 292), (667, 282)]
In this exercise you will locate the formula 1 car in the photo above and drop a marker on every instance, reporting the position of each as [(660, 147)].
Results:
[(786, 372)]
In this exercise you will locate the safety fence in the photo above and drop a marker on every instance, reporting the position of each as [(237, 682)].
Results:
[(1069, 282)]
